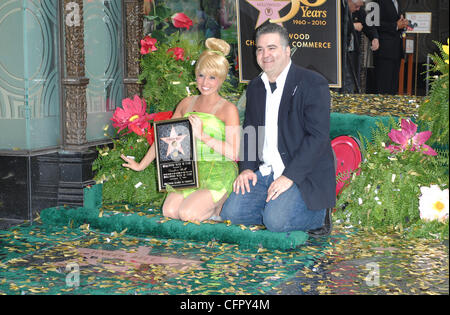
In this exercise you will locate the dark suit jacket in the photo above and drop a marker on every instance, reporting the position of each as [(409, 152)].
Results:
[(303, 134), (391, 42)]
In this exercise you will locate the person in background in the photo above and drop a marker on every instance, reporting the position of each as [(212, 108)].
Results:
[(387, 58), (360, 26)]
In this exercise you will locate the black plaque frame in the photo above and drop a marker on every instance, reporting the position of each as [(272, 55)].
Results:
[(176, 160)]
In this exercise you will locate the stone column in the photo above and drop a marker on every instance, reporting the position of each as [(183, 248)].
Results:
[(75, 159), (74, 81), (133, 33)]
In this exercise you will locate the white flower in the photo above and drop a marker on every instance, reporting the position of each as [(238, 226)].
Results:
[(433, 203)]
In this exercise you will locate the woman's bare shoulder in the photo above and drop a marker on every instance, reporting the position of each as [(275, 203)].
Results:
[(183, 105), (230, 112)]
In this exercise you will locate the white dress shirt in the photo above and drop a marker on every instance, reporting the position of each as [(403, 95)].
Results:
[(271, 156), (395, 5)]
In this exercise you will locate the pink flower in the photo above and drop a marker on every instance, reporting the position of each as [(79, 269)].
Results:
[(180, 20), (132, 115), (178, 53), (148, 45), (408, 138)]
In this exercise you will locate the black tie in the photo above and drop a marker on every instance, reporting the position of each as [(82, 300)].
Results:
[(273, 86)]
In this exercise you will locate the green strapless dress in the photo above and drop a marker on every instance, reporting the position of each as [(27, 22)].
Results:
[(215, 171)]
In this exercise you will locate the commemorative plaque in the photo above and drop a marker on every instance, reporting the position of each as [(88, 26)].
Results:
[(175, 154)]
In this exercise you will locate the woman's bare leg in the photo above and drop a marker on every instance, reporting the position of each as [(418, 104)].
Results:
[(200, 206), (172, 204)]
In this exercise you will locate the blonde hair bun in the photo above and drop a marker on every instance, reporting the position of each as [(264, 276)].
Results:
[(217, 44), (213, 59)]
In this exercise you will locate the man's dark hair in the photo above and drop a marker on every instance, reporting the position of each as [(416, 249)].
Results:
[(270, 28)]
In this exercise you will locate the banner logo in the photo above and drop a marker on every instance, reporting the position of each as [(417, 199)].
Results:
[(268, 9)]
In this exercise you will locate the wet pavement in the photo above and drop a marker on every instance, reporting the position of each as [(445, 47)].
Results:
[(375, 264)]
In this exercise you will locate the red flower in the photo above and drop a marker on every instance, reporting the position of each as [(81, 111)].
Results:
[(147, 45), (161, 116), (132, 115), (150, 136), (178, 53), (180, 20)]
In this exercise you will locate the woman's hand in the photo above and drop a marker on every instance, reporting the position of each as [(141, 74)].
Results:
[(131, 163), (197, 126)]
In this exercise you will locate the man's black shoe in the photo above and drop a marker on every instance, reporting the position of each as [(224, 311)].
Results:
[(325, 230)]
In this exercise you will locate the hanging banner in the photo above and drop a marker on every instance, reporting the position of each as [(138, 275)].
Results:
[(314, 32)]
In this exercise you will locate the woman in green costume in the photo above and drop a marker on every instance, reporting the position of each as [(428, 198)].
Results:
[(215, 125)]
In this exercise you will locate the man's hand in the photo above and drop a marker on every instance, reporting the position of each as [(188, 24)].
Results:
[(358, 26), (402, 23), (375, 44), (242, 181), (278, 186)]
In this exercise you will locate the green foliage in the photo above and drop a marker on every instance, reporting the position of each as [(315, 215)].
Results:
[(384, 192), (434, 109), (167, 81), (119, 183)]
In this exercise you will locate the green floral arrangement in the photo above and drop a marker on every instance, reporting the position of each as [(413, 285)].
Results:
[(167, 74), (135, 130), (168, 60), (391, 189), (434, 109)]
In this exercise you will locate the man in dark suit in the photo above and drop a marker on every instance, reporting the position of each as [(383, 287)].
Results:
[(352, 23), (387, 58), (287, 174)]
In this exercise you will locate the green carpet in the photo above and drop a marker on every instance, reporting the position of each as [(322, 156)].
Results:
[(141, 222)]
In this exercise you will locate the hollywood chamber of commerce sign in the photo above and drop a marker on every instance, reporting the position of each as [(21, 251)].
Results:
[(314, 33)]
